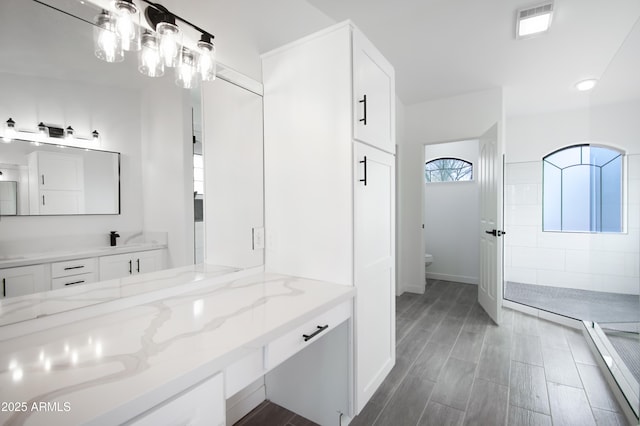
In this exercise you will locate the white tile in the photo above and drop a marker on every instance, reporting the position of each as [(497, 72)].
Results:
[(551, 259), (524, 236), (568, 279), (633, 191), (624, 285), (595, 262), (527, 215), (632, 265), (507, 256), (620, 242), (529, 172), (520, 275), (523, 193), (633, 163), (524, 257), (568, 240)]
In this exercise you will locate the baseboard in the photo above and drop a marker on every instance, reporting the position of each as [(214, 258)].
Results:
[(241, 404), (411, 288), (448, 277)]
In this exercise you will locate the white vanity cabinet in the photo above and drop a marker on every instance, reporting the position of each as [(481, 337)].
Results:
[(330, 181), (124, 265), (23, 280), (73, 272), (56, 183)]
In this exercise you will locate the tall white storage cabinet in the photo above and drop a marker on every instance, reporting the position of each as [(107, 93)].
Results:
[(329, 108)]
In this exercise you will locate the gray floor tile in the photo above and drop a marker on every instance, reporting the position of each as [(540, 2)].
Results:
[(579, 348), (569, 406), (552, 335), (404, 301), (448, 330), (523, 417), (560, 368), (369, 413), (608, 418), (454, 384), (599, 394), (477, 321), (268, 414), (403, 325), (301, 421), (528, 387), (495, 361), (430, 361), (488, 404), (440, 415), (407, 403), (525, 324), (527, 349), (468, 346)]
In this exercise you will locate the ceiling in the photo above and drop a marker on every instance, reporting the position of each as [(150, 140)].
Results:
[(443, 48)]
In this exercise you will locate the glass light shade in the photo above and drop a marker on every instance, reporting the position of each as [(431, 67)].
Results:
[(150, 61), (126, 25), (206, 61), (95, 135), (68, 133), (9, 131), (170, 41), (107, 42), (186, 69)]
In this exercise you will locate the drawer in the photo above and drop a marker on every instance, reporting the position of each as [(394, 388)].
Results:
[(74, 280), (287, 345), (201, 405), (242, 373), (73, 267)]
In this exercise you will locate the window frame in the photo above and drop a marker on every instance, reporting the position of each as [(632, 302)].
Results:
[(469, 163), (623, 186)]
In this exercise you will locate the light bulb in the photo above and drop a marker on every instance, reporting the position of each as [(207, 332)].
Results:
[(107, 41), (150, 62), (206, 59), (186, 69), (126, 28), (170, 37)]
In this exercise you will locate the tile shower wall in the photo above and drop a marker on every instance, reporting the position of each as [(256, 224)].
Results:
[(598, 262)]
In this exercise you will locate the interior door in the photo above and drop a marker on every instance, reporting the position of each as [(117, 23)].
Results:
[(374, 255), (490, 178)]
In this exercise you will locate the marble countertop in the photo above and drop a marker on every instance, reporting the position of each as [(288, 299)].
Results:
[(59, 256), (34, 309), (109, 367)]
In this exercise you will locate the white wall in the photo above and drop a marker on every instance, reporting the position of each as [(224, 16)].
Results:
[(456, 118), (599, 262), (451, 218), (115, 113)]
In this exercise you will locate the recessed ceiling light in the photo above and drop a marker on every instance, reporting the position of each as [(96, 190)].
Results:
[(585, 85), (534, 20)]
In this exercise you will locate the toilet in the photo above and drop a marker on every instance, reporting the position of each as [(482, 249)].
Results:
[(428, 259)]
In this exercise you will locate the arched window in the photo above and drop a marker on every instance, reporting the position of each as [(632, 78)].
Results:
[(582, 189), (448, 170)]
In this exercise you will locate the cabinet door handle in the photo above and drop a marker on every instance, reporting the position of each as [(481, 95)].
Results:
[(75, 282), (365, 170), (73, 267), (138, 264), (130, 267), (364, 101), (42, 179), (43, 200), (319, 330), (4, 287)]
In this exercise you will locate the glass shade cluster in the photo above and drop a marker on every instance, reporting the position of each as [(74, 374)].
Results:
[(119, 31)]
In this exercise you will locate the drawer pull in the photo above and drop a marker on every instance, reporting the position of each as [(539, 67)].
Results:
[(75, 282), (320, 329), (73, 267)]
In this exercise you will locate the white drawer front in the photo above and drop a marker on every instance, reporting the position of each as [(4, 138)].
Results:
[(242, 373), (285, 346), (203, 404), (73, 281), (73, 267)]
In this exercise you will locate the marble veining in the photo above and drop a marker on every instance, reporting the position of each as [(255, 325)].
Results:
[(38, 305), (107, 368)]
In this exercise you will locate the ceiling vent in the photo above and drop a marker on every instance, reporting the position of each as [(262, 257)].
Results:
[(534, 20)]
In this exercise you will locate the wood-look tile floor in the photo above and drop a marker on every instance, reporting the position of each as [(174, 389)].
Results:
[(455, 367)]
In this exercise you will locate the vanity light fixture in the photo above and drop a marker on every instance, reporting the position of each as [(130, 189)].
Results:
[(206, 59), (43, 130), (106, 39), (95, 136), (126, 27), (169, 34), (186, 69), (534, 20), (149, 61), (9, 130), (586, 85)]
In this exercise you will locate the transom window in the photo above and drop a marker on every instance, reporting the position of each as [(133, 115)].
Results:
[(582, 189), (448, 170)]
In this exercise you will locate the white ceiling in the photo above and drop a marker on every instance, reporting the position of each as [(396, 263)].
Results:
[(442, 48)]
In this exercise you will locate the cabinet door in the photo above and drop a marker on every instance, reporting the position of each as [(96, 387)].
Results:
[(60, 171), (116, 266), (374, 256), (61, 202), (23, 280), (374, 96), (148, 261)]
